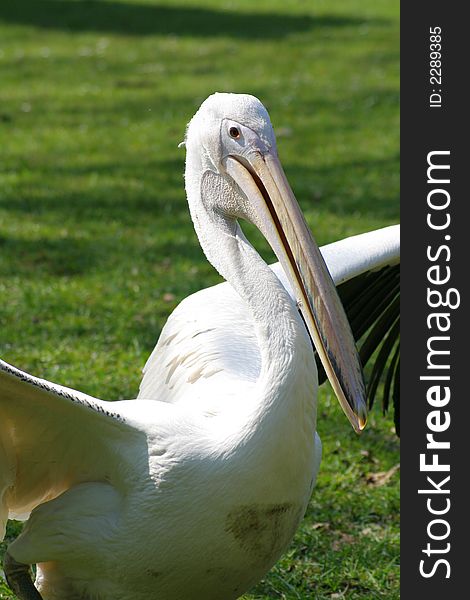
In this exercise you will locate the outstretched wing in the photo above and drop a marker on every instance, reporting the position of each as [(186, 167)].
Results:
[(210, 338), (51, 438)]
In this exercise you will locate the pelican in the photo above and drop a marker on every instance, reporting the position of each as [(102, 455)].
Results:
[(194, 489)]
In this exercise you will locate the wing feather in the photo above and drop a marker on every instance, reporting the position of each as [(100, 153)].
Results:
[(52, 437), (209, 339)]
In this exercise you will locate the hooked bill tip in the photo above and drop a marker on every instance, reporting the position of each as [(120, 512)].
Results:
[(361, 421)]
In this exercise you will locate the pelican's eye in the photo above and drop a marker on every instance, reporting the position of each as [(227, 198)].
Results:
[(234, 132)]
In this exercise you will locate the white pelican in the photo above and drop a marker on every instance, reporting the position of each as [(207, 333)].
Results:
[(195, 489)]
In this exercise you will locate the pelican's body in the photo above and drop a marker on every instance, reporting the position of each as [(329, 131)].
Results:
[(196, 488), (202, 495)]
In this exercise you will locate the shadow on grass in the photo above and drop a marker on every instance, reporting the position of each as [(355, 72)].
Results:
[(151, 19), (70, 257), (112, 199), (56, 257)]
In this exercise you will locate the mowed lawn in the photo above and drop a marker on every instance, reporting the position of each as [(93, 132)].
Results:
[(96, 243)]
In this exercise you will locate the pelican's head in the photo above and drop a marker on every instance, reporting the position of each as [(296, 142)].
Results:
[(231, 123), (231, 138)]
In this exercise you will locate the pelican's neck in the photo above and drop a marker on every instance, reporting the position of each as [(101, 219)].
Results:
[(276, 320)]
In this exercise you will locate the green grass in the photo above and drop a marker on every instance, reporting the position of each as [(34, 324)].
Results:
[(96, 244)]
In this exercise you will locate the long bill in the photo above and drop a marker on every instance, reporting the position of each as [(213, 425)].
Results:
[(280, 219)]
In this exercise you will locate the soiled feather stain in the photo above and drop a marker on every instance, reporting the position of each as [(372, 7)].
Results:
[(153, 573), (263, 529)]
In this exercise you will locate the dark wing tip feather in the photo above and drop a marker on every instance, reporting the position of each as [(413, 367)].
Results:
[(372, 305)]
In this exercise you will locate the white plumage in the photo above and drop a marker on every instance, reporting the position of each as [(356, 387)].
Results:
[(196, 488)]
